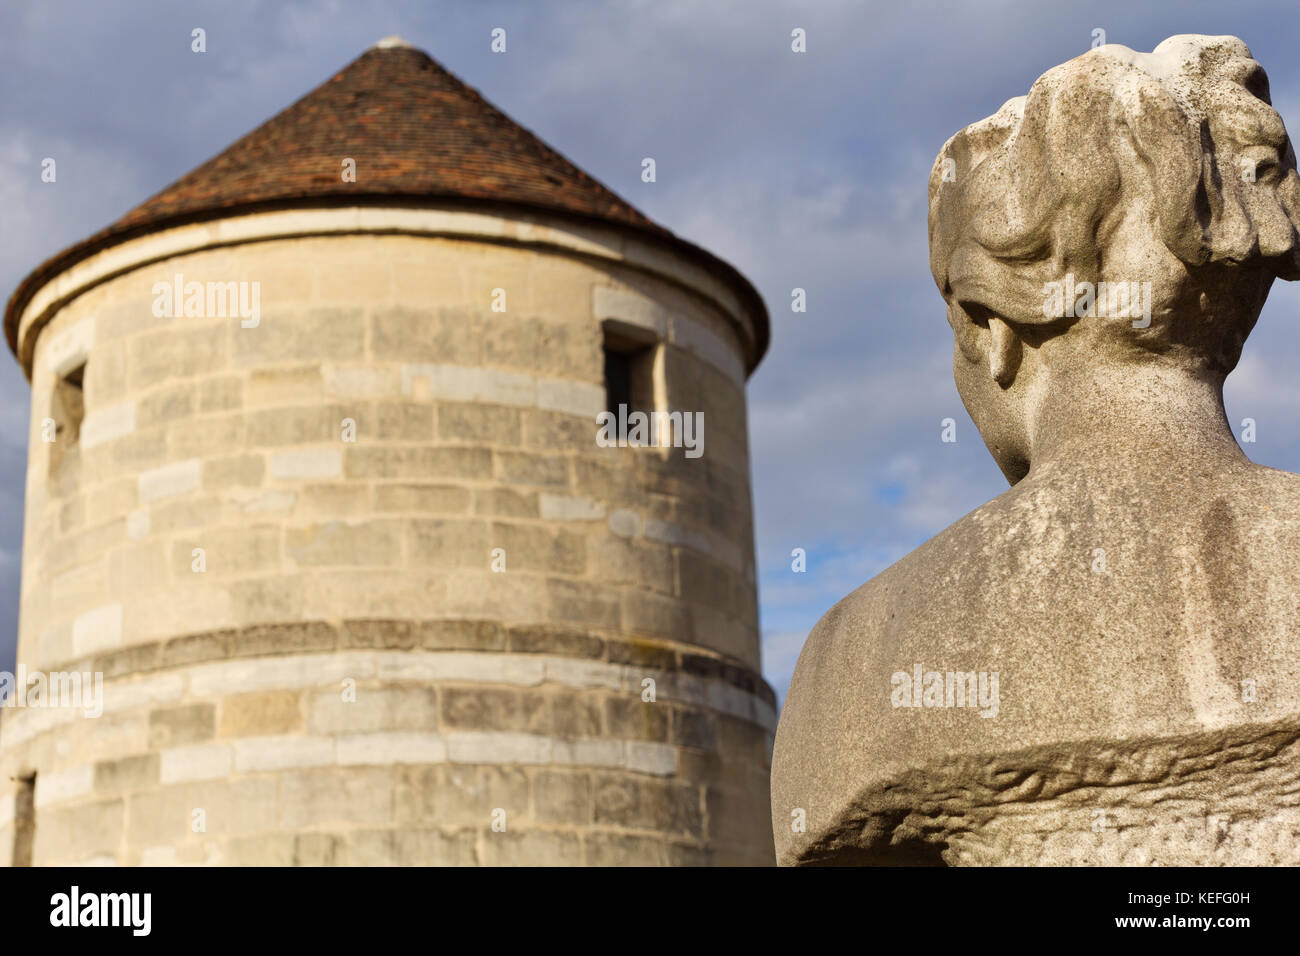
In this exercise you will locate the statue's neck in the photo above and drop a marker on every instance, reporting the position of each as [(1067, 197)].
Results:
[(1139, 418)]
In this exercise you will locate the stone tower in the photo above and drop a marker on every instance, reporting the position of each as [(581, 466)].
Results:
[(315, 485)]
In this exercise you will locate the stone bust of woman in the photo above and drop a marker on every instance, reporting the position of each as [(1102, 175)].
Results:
[(1101, 665)]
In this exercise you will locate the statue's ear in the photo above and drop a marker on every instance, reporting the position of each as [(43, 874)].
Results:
[(982, 333), (1005, 351)]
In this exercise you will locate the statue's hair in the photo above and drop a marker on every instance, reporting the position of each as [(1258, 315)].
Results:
[(1033, 193)]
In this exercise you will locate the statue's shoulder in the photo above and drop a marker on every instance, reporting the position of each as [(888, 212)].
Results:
[(927, 577), (1280, 486), (834, 736), (860, 635)]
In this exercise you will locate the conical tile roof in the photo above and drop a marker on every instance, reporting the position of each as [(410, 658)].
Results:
[(416, 133)]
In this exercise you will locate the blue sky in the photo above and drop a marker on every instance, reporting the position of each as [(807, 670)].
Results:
[(803, 170)]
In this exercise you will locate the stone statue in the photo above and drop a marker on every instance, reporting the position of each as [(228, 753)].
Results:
[(1101, 665)]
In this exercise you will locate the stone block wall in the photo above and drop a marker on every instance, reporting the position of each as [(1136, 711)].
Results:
[(282, 545)]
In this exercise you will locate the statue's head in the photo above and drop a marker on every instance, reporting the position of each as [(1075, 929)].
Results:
[(1133, 208)]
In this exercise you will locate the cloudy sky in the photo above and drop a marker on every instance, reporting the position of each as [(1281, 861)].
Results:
[(805, 170)]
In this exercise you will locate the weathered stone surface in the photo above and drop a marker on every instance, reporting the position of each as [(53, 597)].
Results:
[(532, 848), (177, 726), (441, 795), (562, 797), (395, 708), (126, 774), (644, 804), (335, 796), (261, 712), (631, 718), (1135, 594)]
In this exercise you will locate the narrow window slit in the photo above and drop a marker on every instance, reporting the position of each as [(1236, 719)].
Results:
[(67, 409), (629, 367), (24, 821)]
